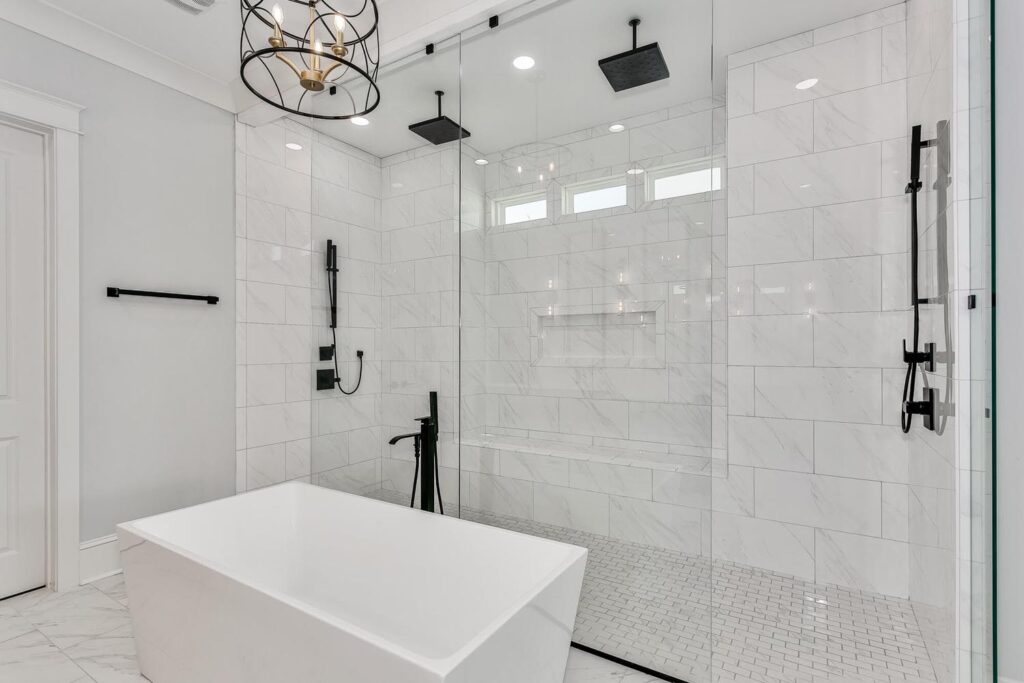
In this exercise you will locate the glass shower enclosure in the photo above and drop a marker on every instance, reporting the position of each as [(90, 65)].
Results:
[(662, 300)]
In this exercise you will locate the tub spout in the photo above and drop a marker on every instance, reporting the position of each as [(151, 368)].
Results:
[(396, 439)]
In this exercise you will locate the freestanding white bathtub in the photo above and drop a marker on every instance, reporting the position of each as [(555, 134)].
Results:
[(300, 584)]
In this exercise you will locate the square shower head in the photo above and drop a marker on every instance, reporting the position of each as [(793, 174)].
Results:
[(638, 66), (439, 130)]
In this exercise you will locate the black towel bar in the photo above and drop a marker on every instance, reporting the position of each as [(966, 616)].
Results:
[(117, 291)]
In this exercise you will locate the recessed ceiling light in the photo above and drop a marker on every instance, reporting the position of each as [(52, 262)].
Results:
[(359, 121), (616, 128), (523, 62), (294, 146), (636, 170), (481, 162), (807, 85)]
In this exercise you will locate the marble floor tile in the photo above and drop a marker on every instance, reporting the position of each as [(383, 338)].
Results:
[(12, 624), (74, 616), (587, 668), (32, 658), (109, 658), (114, 587)]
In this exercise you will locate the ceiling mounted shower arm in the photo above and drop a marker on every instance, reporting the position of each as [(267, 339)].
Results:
[(440, 94), (634, 22)]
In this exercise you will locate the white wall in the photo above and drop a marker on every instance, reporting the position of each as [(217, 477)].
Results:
[(157, 213), (1009, 102)]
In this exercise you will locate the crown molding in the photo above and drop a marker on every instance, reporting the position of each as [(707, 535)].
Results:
[(80, 34)]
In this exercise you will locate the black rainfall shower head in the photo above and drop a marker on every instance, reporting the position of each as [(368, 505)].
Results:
[(638, 66), (440, 130)]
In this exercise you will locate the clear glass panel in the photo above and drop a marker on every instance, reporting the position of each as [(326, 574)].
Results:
[(592, 378), (387, 199), (980, 551), (838, 540)]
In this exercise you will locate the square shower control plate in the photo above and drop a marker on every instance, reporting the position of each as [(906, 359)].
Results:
[(324, 380)]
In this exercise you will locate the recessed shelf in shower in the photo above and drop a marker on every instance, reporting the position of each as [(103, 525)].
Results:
[(615, 335)]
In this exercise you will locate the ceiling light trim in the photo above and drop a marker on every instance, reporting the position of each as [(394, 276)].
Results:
[(65, 28)]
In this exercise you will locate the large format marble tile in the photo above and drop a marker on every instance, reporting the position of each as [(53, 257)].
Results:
[(862, 116), (842, 65), (771, 238), (77, 615), (878, 452), (571, 508), (780, 340), (12, 624), (820, 501), (588, 668), (841, 175), (619, 480), (772, 134), (786, 548), (277, 344), (658, 524), (765, 442), (875, 226), (835, 394), (863, 340), (870, 564), (670, 423), (109, 658), (831, 286), (32, 658), (534, 467), (594, 417)]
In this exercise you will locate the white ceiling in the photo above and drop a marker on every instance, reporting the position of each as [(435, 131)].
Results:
[(500, 105), (207, 43), (566, 91)]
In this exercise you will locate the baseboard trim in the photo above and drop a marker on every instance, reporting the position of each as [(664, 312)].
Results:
[(98, 559)]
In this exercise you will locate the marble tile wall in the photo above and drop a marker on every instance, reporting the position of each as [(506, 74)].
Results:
[(597, 376), (817, 305), (289, 203)]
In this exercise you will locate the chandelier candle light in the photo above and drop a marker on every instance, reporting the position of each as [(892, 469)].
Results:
[(347, 68)]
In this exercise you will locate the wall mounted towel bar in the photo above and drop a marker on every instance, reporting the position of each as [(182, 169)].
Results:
[(117, 292)]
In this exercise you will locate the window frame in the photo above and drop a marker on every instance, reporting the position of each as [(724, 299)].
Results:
[(569, 193), (500, 205)]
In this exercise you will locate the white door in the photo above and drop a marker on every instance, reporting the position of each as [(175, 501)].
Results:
[(22, 349)]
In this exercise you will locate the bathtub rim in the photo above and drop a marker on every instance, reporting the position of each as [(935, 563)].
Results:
[(440, 666)]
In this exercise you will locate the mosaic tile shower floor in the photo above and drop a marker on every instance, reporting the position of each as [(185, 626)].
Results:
[(653, 606)]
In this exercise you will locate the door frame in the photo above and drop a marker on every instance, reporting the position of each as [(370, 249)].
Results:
[(58, 121)]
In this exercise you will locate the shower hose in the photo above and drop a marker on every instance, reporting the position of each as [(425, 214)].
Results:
[(332, 285), (416, 478)]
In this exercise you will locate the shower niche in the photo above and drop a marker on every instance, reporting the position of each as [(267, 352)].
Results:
[(614, 335)]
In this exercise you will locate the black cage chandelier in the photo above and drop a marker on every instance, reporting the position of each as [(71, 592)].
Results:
[(292, 53)]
